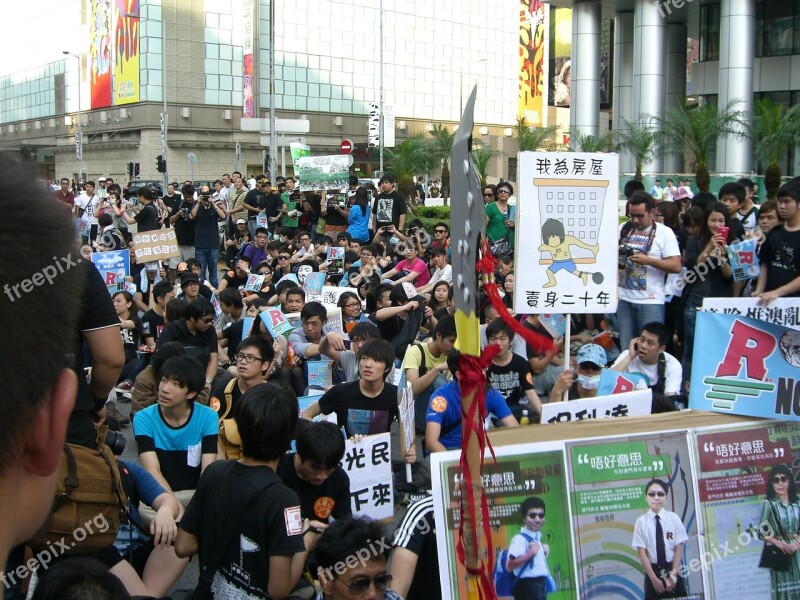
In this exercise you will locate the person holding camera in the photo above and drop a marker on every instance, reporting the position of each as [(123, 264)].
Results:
[(389, 208), (646, 356), (647, 252), (206, 214)]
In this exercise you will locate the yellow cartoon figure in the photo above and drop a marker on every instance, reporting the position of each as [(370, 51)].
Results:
[(557, 243)]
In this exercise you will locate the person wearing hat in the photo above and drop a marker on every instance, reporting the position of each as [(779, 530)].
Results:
[(190, 287), (583, 381), (235, 240), (657, 191)]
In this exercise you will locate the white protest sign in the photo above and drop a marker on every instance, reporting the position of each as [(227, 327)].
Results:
[(332, 293), (566, 233), (629, 404), (155, 245), (783, 311), (369, 466)]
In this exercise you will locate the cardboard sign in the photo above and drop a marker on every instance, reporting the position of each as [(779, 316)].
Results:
[(630, 404), (405, 406), (277, 323), (114, 267), (155, 245), (368, 464)]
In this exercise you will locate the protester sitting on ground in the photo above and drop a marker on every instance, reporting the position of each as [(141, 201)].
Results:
[(442, 271), (314, 325), (646, 355), (415, 563), (153, 320), (443, 420), (236, 278), (510, 374), (350, 537), (546, 366), (401, 321), (145, 388), (243, 505), (411, 269), (177, 438), (232, 308), (344, 355), (590, 361), (131, 333)]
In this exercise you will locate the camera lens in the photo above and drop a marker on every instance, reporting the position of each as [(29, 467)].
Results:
[(116, 441)]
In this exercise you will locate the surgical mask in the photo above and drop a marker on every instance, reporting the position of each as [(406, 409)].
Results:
[(589, 383), (393, 240)]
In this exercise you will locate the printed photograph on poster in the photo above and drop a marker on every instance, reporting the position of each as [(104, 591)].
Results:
[(568, 210), (526, 492), (751, 369), (618, 487), (114, 267), (747, 482), (324, 172)]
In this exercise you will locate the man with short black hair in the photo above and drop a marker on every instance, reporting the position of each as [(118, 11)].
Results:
[(207, 215), (87, 204), (748, 211), (153, 319), (652, 251), (64, 194), (389, 207), (253, 359), (780, 252)]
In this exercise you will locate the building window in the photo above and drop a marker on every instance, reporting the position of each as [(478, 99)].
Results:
[(709, 32), (776, 28), (512, 169)]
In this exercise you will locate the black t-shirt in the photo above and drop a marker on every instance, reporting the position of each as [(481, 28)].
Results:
[(131, 338), (272, 205), (234, 281), (184, 227), (206, 231), (318, 502), (234, 334), (781, 253), (254, 198), (200, 345), (147, 218), (359, 414), (97, 312), (387, 209), (173, 203), (221, 403), (511, 380), (271, 525), (417, 533), (152, 324), (421, 191), (334, 217)]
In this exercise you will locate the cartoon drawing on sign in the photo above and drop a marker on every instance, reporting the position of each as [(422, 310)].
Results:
[(557, 243), (790, 348)]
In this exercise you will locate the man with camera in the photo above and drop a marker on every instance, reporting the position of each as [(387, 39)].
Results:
[(184, 229), (647, 252), (389, 207), (206, 214)]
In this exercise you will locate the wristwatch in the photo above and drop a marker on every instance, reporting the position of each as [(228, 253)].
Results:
[(208, 381)]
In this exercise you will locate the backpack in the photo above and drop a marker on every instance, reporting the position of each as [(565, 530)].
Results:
[(229, 439), (88, 497), (505, 580), (241, 253)]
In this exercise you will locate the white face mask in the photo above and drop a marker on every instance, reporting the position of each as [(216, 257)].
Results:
[(589, 383)]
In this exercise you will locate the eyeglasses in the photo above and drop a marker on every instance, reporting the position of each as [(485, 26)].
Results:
[(536, 515), (261, 236), (503, 191), (440, 231), (282, 257), (656, 494), (780, 479), (353, 305), (248, 358), (633, 216), (359, 585), (488, 195), (265, 272)]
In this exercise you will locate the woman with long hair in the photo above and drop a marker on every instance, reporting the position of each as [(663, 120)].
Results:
[(131, 333), (779, 526), (706, 252), (350, 304), (358, 217)]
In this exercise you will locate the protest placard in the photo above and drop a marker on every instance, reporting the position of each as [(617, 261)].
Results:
[(629, 404), (782, 311), (155, 245), (277, 323), (369, 466), (569, 219), (114, 267), (323, 172)]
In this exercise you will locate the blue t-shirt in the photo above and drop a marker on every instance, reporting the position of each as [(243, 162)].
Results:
[(444, 408), (179, 449), (147, 490)]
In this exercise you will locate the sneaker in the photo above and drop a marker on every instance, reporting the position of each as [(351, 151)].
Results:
[(123, 387), (113, 412)]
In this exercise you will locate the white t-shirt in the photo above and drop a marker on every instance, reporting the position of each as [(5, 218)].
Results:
[(90, 206), (673, 372), (749, 220), (445, 274), (644, 533), (641, 284), (668, 194)]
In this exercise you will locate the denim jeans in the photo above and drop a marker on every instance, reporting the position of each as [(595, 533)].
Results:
[(632, 317), (208, 262)]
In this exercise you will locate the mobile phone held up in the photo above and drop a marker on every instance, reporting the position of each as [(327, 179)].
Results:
[(723, 232)]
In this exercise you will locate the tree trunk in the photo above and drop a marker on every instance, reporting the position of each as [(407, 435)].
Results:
[(772, 181), (702, 177), (638, 175)]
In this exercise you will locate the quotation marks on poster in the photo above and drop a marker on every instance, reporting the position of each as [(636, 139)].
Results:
[(778, 452), (658, 465), (708, 447), (583, 459)]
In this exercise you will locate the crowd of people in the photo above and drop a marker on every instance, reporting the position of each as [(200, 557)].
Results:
[(206, 383)]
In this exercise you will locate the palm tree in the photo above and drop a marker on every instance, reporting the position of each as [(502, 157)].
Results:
[(697, 129), (532, 138), (481, 155), (594, 143), (774, 129), (410, 157), (442, 147), (639, 139)]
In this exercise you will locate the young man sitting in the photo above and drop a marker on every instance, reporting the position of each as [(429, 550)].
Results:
[(646, 355), (334, 346), (153, 320), (242, 518), (510, 374), (367, 406), (591, 360), (443, 421), (305, 340), (177, 438)]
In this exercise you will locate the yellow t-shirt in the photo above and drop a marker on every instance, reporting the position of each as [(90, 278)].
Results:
[(413, 358)]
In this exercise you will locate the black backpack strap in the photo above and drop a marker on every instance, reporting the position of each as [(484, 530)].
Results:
[(422, 367)]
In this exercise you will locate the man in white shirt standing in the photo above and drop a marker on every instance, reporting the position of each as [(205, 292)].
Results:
[(647, 253), (657, 191), (87, 204), (669, 191)]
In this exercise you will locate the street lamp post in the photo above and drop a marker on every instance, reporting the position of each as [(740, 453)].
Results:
[(79, 142)]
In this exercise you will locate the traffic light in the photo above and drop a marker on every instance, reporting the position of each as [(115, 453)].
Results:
[(161, 164), (130, 170), (136, 169)]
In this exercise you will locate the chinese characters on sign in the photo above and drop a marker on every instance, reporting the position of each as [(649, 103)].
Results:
[(369, 466)]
